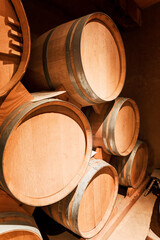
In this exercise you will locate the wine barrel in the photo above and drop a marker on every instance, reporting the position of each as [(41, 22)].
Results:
[(15, 223), (132, 169), (86, 56), (45, 147), (15, 44), (116, 128), (87, 208)]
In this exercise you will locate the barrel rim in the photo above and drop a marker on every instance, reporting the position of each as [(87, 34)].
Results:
[(111, 146), (139, 144), (124, 164), (75, 207), (73, 182), (21, 228), (108, 22)]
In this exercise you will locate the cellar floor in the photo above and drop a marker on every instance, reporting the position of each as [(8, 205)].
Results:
[(136, 223)]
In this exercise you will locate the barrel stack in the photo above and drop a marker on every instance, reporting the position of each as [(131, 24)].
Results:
[(46, 145)]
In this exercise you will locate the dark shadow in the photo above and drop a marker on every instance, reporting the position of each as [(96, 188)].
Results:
[(47, 226), (122, 190), (155, 218)]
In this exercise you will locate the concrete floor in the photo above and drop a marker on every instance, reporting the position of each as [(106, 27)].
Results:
[(136, 223)]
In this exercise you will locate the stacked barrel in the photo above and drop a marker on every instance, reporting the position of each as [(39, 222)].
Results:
[(46, 145)]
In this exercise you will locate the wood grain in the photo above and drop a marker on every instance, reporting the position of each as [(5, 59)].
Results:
[(14, 44), (86, 56), (45, 147), (88, 207), (16, 97)]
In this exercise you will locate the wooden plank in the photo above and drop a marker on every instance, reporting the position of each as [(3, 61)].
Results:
[(123, 209), (100, 154), (152, 236), (17, 96), (44, 95)]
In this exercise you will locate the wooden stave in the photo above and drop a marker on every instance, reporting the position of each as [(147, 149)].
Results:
[(69, 219), (26, 48), (79, 89), (126, 172), (15, 118)]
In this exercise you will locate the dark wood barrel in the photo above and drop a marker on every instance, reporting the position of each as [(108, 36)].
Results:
[(87, 208), (116, 129), (15, 44), (86, 56), (45, 147), (132, 168), (15, 223)]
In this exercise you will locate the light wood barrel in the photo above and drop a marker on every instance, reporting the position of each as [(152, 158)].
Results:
[(86, 56), (14, 44), (18, 226), (45, 148), (116, 129), (15, 223), (132, 169), (87, 208)]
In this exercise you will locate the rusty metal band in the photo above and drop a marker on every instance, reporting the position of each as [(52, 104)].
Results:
[(44, 59), (123, 170), (80, 191), (60, 206), (129, 170), (10, 128), (78, 62), (67, 207), (130, 161), (112, 123), (105, 121), (69, 65)]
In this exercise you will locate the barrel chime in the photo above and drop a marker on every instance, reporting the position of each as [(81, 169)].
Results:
[(46, 145)]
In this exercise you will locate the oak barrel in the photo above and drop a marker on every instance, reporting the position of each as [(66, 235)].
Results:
[(87, 208), (116, 129), (15, 223), (86, 56), (15, 44), (132, 169), (45, 147)]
